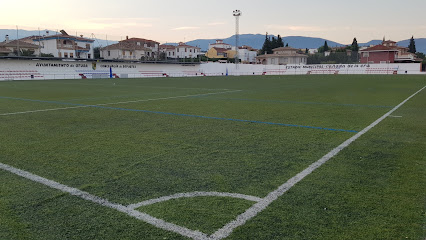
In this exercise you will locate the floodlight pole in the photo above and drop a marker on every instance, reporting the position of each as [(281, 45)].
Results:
[(237, 14)]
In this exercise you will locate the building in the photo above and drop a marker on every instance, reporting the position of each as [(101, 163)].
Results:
[(378, 54), (220, 53), (220, 44), (247, 54), (132, 49), (282, 56), (64, 45), (10, 48), (180, 51), (387, 52)]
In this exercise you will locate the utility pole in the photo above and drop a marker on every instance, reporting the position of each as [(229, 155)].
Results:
[(17, 41), (237, 14)]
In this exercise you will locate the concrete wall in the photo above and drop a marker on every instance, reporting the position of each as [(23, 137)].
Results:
[(41, 69)]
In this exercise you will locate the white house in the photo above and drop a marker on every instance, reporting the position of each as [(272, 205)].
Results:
[(180, 51), (221, 45), (134, 49), (282, 56), (65, 46), (247, 54)]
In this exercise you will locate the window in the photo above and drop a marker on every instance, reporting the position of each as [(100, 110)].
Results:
[(178, 50), (131, 53), (59, 54), (190, 50), (138, 43), (65, 55), (89, 56), (124, 53), (109, 53), (185, 49), (173, 53), (169, 54), (71, 55)]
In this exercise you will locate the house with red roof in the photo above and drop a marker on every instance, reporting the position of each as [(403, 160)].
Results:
[(132, 49), (10, 47), (387, 52)]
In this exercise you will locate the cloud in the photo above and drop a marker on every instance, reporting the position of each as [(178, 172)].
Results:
[(185, 28)]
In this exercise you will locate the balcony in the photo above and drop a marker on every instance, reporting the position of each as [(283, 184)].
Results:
[(65, 46)]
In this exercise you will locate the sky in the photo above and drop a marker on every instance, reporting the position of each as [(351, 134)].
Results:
[(182, 21)]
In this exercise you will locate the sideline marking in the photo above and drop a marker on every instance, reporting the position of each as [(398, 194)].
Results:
[(228, 228), (144, 86), (84, 105), (274, 195), (194, 194), (395, 116)]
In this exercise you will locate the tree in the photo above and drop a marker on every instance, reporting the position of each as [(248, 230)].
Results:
[(326, 48), (420, 55), (412, 46), (354, 46), (274, 43), (267, 46), (286, 44), (280, 41), (306, 50)]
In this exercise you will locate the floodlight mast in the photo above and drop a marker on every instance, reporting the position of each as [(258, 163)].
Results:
[(237, 14)]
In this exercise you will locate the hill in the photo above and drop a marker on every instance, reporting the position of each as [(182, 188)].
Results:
[(256, 41)]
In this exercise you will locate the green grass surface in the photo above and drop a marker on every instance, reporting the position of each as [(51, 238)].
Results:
[(374, 189)]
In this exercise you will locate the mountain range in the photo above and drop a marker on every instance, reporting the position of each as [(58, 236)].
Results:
[(252, 40)]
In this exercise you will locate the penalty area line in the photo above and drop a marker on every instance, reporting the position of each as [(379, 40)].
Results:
[(274, 195)]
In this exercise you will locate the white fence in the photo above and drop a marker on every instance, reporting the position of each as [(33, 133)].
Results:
[(44, 70)]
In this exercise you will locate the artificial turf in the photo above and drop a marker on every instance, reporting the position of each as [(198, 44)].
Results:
[(138, 150)]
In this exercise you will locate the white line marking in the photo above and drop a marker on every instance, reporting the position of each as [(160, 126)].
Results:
[(145, 100), (103, 104), (104, 202), (194, 194), (395, 116), (144, 86), (272, 196), (42, 110)]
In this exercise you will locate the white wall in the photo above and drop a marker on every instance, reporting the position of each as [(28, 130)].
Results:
[(41, 69)]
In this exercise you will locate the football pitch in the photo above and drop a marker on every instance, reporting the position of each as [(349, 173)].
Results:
[(250, 157)]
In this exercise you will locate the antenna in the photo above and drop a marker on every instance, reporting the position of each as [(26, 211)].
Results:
[(237, 14)]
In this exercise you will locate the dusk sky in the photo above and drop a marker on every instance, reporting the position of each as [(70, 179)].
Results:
[(174, 21)]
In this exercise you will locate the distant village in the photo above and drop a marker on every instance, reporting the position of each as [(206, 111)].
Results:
[(66, 46)]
